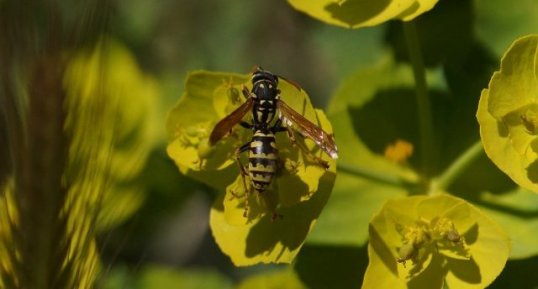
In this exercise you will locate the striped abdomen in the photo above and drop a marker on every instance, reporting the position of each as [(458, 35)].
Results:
[(262, 160)]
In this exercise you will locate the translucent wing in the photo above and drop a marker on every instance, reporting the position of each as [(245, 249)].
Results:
[(324, 140), (224, 126)]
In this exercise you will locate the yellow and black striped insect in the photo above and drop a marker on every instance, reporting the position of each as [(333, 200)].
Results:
[(270, 115)]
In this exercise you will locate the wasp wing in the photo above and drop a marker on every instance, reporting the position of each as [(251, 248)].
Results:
[(224, 126), (292, 118), (299, 88)]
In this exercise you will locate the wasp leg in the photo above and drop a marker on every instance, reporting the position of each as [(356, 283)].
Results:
[(246, 125), (307, 152), (243, 173), (245, 91), (278, 127)]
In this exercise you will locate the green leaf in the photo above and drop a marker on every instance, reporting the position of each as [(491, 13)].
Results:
[(449, 50), (263, 240), (507, 114), (165, 277), (515, 211), (329, 266), (208, 98), (156, 276), (499, 22), (366, 178), (361, 13), (418, 219), (284, 279)]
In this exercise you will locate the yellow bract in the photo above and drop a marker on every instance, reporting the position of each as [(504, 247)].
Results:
[(443, 238), (508, 114), (362, 13), (279, 219)]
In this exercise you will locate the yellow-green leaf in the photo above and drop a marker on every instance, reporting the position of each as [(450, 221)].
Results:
[(515, 211), (284, 279), (361, 13), (158, 276), (360, 101), (190, 122), (260, 239), (508, 114), (432, 263), (298, 192), (112, 123)]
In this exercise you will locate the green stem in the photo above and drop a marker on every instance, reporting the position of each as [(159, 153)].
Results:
[(458, 166), (423, 100), (378, 176)]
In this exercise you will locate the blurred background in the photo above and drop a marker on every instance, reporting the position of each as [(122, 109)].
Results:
[(171, 38), (162, 238)]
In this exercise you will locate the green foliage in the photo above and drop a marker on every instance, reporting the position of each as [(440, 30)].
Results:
[(108, 129), (499, 22), (360, 13), (285, 279), (413, 201), (378, 179), (155, 276)]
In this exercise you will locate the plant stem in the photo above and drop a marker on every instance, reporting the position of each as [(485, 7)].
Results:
[(458, 166), (423, 100), (378, 176)]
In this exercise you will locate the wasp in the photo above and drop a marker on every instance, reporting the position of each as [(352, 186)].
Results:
[(270, 115)]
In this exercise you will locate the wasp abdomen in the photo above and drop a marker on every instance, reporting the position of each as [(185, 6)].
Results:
[(262, 160)]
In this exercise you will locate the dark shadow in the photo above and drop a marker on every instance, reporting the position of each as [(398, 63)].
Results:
[(481, 176), (471, 235), (291, 230), (391, 114), (532, 172), (465, 270), (446, 33), (322, 267), (502, 129), (382, 250), (354, 12), (507, 209), (520, 274), (431, 276)]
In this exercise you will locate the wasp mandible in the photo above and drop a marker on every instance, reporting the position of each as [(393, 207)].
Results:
[(270, 115)]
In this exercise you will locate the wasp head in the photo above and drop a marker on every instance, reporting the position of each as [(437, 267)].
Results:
[(264, 84)]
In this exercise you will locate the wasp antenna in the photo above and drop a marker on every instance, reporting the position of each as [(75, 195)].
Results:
[(291, 82), (255, 68)]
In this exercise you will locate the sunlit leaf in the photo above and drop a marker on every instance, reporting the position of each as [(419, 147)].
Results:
[(360, 13), (507, 114), (260, 239), (248, 226), (439, 228)]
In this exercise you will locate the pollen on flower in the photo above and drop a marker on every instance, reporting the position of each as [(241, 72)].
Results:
[(399, 151), (439, 231)]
